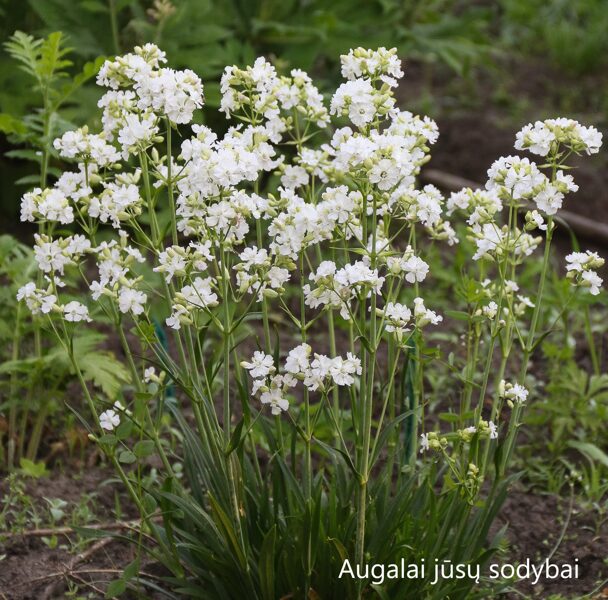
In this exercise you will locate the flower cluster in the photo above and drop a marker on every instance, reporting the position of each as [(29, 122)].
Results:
[(581, 271), (317, 372), (142, 89), (544, 136), (513, 393), (336, 288), (264, 207)]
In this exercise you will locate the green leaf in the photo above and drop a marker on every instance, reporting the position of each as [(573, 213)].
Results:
[(591, 451), (143, 448), (89, 71), (25, 49), (52, 55), (459, 315), (32, 469), (108, 439), (28, 180), (266, 565), (103, 370), (235, 438), (127, 457), (10, 124), (224, 524), (131, 570), (123, 431), (116, 587)]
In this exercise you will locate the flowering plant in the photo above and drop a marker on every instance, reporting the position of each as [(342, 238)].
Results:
[(288, 265)]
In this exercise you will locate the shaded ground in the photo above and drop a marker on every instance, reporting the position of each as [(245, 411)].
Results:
[(535, 524), (31, 570)]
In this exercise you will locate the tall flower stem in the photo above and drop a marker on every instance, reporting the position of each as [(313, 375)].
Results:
[(226, 404), (170, 184), (366, 390), (137, 383), (114, 25), (528, 349)]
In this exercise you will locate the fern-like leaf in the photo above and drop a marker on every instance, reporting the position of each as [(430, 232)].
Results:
[(104, 371), (25, 49), (52, 57)]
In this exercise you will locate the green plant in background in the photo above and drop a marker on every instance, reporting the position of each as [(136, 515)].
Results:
[(33, 387), (206, 35), (565, 420), (46, 64), (571, 34), (35, 374)]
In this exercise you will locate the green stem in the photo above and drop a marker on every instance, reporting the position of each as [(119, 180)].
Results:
[(36, 434), (591, 342), (518, 408), (138, 387), (12, 394), (170, 185), (227, 413), (154, 228), (114, 26), (366, 389)]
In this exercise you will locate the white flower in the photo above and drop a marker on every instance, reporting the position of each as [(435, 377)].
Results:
[(172, 261), (136, 133), (109, 420), (360, 101), (37, 301), (385, 174), (47, 205), (150, 375), (536, 138), (397, 318), (261, 365), (173, 93), (274, 397), (298, 359), (490, 311), (591, 139), (180, 313), (424, 442), (539, 137), (294, 177), (593, 281), (379, 64), (415, 268), (131, 300), (423, 316), (580, 267), (199, 294), (86, 147), (513, 391), (493, 430), (318, 372), (116, 203), (75, 312), (343, 370)]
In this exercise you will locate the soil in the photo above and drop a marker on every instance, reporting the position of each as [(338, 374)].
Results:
[(535, 523), (31, 570)]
